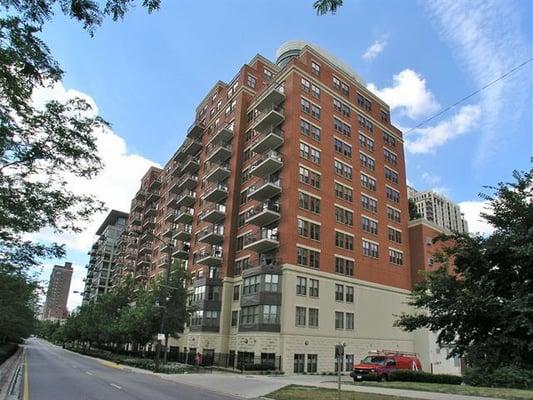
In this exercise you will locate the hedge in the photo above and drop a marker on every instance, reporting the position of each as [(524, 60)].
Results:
[(7, 350), (507, 376), (421, 376)]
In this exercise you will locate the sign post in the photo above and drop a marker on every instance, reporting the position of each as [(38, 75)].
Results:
[(339, 356)]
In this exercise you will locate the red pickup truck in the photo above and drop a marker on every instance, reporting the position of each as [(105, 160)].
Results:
[(378, 365)]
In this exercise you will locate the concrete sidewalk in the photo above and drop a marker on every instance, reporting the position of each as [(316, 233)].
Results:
[(255, 386)]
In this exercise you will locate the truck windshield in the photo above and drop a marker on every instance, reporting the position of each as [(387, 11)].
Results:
[(374, 360)]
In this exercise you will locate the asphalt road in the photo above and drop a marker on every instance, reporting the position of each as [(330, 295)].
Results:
[(58, 374)]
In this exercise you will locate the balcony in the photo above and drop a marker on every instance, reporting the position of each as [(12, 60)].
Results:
[(152, 196), (163, 261), (137, 205), (146, 248), (214, 214), (179, 156), (223, 135), (182, 251), (264, 214), (190, 165), (269, 188), (264, 240), (218, 172), (143, 262), (168, 232), (175, 170), (140, 275), (269, 118), (136, 219), (215, 193), (183, 232), (213, 235), (184, 215), (188, 181), (271, 140), (272, 97), (174, 186), (191, 146), (267, 164), (170, 216), (145, 237), (171, 201), (218, 152), (155, 184), (150, 212), (140, 195), (148, 223), (210, 258), (195, 130), (186, 199)]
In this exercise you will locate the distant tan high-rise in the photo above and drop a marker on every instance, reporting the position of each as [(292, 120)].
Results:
[(55, 306)]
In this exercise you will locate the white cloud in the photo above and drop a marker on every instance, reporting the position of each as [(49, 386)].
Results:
[(487, 39), (375, 48), (408, 94), (115, 185), (472, 211), (428, 139)]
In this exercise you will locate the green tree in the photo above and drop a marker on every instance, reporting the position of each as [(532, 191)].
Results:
[(413, 212), (323, 7), (485, 310), (42, 145)]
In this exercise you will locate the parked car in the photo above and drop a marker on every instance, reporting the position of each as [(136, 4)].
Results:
[(378, 365)]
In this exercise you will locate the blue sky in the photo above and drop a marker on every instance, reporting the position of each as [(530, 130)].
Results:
[(146, 75)]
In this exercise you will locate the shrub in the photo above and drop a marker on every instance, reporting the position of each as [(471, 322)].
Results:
[(421, 376), (7, 350), (507, 376)]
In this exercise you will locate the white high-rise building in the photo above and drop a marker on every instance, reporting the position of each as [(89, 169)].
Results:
[(439, 210)]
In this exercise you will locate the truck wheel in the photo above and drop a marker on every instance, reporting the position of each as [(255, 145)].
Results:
[(383, 378)]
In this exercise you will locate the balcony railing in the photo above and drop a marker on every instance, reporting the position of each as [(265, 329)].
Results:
[(217, 172), (187, 198), (217, 152), (195, 130), (188, 181), (214, 213), (265, 189), (270, 139), (213, 235), (271, 116), (222, 135), (185, 214), (183, 232), (264, 240), (191, 146), (215, 193), (209, 258), (190, 164), (264, 214), (267, 164), (272, 96)]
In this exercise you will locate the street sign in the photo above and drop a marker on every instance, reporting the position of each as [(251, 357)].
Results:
[(161, 336)]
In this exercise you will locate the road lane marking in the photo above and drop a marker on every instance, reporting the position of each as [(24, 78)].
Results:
[(26, 391), (89, 373), (116, 386)]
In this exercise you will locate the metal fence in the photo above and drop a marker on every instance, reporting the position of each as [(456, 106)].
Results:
[(239, 361)]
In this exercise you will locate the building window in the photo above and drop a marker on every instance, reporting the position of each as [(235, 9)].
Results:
[(394, 235), (250, 285), (301, 286), (349, 294), (244, 196), (339, 320), (343, 169), (308, 229), (299, 363), (315, 68), (367, 161), (312, 362), (250, 315), (313, 318), (369, 225), (337, 105), (336, 83), (345, 110), (391, 175), (343, 192), (339, 292), (345, 89), (390, 156), (270, 314), (310, 130), (388, 139), (368, 182), (343, 148), (236, 292), (307, 258), (315, 91), (309, 153), (341, 127), (350, 321), (393, 214), (384, 115), (343, 240), (309, 177), (251, 81), (313, 287), (306, 85), (271, 282), (315, 111), (365, 123), (306, 106), (308, 202), (393, 195), (267, 75), (364, 103), (396, 257), (234, 317), (349, 362), (300, 316), (343, 216), (370, 249), (344, 266), (239, 242), (366, 142), (241, 265), (368, 203)]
